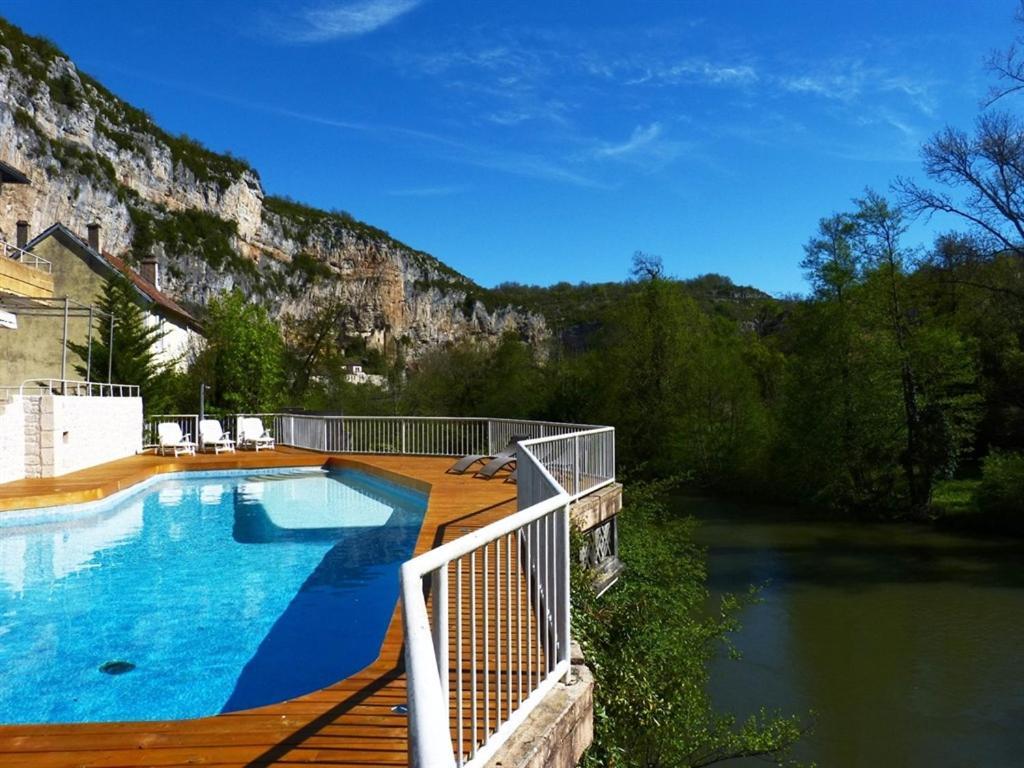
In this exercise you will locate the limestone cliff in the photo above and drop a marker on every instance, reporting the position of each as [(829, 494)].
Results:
[(92, 157)]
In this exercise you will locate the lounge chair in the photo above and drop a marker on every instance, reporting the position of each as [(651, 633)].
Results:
[(463, 464), (171, 438), (251, 434), (212, 436), (491, 468)]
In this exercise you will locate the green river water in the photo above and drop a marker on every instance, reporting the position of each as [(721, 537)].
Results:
[(907, 643)]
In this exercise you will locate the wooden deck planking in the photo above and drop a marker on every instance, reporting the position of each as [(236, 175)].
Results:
[(347, 724)]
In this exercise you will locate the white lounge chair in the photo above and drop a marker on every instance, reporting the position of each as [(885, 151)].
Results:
[(170, 438), (212, 436), (251, 434)]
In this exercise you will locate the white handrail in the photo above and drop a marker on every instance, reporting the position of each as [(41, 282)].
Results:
[(430, 742), (27, 258), (78, 388)]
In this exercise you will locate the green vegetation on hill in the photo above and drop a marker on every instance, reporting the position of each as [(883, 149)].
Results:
[(125, 125), (188, 232), (300, 221)]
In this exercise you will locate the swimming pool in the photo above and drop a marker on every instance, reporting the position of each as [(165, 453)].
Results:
[(199, 594)]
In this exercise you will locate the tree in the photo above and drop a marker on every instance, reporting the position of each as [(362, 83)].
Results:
[(880, 399), (242, 359), (134, 361), (985, 171), (471, 379), (830, 262)]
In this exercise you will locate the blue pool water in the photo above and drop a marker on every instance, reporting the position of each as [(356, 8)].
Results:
[(225, 592)]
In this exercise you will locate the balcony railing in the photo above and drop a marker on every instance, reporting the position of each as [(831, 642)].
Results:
[(69, 388), (27, 258), (486, 616)]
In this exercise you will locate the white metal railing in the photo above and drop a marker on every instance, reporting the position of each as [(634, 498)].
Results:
[(576, 463), (503, 669), (410, 435), (27, 258), (510, 587), (68, 387)]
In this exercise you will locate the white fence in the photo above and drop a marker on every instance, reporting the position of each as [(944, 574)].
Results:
[(25, 257), (486, 616), (69, 388)]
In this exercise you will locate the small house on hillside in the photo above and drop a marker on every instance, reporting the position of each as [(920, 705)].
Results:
[(79, 268)]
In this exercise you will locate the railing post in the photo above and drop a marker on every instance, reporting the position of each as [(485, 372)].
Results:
[(576, 466), (439, 588), (403, 437), (565, 609)]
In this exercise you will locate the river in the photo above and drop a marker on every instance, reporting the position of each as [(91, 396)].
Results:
[(907, 643)]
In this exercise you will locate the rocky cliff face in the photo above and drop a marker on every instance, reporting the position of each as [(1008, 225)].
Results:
[(93, 158)]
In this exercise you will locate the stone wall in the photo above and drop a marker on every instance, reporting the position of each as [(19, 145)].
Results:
[(32, 453), (12, 440), (80, 432)]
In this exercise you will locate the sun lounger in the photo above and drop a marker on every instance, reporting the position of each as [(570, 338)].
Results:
[(463, 464), (171, 439), (212, 436), (491, 468), (251, 434)]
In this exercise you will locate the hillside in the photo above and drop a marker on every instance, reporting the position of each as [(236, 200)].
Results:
[(207, 219), (573, 312)]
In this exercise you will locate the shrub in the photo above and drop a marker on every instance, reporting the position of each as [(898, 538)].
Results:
[(1001, 492)]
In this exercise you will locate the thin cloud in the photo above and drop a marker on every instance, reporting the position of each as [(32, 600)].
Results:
[(323, 23), (641, 138), (699, 71)]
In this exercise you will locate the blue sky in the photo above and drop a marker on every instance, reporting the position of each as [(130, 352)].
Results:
[(547, 141)]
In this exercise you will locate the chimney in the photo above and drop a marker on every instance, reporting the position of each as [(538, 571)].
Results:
[(94, 237), (22, 240), (149, 268)]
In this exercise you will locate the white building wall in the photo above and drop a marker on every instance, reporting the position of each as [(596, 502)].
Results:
[(80, 432), (12, 440), (170, 349)]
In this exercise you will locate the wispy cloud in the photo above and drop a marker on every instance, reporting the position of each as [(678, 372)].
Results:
[(697, 71), (322, 23), (641, 139)]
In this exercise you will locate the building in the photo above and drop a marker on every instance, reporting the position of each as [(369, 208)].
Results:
[(72, 271)]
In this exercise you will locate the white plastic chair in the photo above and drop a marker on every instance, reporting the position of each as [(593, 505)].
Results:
[(171, 438), (251, 434), (211, 435)]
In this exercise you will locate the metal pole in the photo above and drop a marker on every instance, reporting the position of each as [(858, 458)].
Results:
[(110, 351), (202, 401), (88, 361), (64, 345)]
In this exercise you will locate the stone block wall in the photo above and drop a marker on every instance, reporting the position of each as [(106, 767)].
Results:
[(80, 432), (33, 455), (12, 440)]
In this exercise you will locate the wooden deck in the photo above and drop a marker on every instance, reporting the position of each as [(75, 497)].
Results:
[(350, 723)]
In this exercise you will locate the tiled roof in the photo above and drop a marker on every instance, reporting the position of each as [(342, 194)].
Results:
[(164, 303)]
